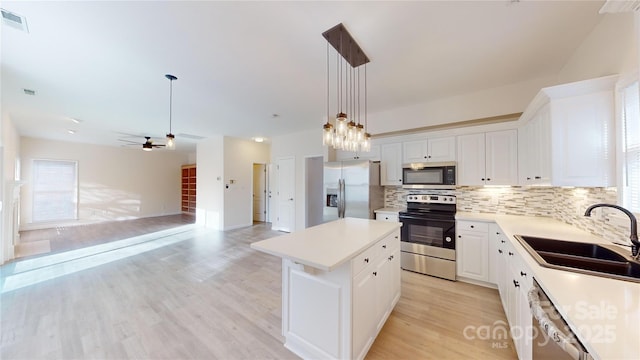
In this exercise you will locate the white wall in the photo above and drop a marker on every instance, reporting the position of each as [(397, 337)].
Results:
[(239, 157), (477, 105), (114, 183), (209, 183), (610, 48), (299, 145), (9, 152)]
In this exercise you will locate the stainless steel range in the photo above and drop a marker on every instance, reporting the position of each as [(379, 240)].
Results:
[(428, 236)]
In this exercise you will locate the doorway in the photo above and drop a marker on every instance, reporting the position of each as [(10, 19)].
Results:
[(313, 190), (260, 201)]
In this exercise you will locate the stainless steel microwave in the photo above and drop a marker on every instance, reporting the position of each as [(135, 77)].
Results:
[(440, 175)]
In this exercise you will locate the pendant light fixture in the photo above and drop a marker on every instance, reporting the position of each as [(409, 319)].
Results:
[(347, 132), (171, 142)]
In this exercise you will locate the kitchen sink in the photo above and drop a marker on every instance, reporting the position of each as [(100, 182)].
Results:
[(593, 259)]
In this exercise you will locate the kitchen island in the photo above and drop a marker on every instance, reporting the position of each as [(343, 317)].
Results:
[(340, 281)]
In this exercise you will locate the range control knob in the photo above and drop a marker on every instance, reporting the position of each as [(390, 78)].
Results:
[(447, 239)]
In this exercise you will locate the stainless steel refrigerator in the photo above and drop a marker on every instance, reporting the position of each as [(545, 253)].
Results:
[(352, 189)]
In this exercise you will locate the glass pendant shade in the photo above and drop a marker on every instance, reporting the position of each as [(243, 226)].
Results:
[(366, 143), (327, 134), (351, 130), (171, 142), (341, 124), (359, 133)]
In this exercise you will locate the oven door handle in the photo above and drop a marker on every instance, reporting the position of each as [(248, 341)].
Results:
[(556, 335), (422, 218)]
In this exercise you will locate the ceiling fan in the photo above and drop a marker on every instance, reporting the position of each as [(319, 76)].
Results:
[(148, 145)]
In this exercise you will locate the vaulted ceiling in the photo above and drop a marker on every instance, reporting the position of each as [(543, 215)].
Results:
[(259, 68)]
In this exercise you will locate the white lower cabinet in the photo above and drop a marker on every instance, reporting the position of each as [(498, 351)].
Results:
[(472, 250), (338, 314), (376, 290), (514, 280)]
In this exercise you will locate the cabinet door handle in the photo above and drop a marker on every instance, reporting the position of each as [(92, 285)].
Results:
[(516, 284), (472, 226), (538, 177), (390, 257), (482, 179), (396, 236), (510, 253), (366, 260), (488, 179), (497, 233), (522, 273), (400, 180), (528, 178), (500, 251), (375, 273), (429, 156), (384, 246), (459, 236), (502, 241)]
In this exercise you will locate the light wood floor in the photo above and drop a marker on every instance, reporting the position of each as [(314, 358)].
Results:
[(200, 294)]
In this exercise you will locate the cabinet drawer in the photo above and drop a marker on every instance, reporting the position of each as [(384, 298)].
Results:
[(473, 226), (365, 258), (387, 217), (388, 244)]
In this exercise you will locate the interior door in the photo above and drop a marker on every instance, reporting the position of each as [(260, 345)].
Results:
[(285, 220), (259, 192)]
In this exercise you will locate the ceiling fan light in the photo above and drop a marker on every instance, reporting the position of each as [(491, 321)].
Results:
[(171, 142), (147, 147)]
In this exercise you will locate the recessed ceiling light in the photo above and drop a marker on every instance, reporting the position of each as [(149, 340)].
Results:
[(29, 92), (76, 121), (258, 139), (71, 131)]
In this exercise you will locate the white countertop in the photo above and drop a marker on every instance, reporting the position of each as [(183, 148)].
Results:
[(329, 245), (603, 312)]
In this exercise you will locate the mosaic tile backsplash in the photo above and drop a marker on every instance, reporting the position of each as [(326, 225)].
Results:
[(563, 204)]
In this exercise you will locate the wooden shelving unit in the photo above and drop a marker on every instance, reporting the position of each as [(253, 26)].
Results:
[(189, 189)]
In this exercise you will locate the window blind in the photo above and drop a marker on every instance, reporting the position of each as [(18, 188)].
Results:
[(55, 190), (631, 147)]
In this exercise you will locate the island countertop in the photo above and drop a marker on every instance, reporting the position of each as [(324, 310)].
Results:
[(329, 245)]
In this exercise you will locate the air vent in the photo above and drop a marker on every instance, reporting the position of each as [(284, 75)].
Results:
[(14, 20), (619, 6), (29, 92)]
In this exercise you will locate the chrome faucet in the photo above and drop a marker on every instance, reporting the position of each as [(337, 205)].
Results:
[(635, 247)]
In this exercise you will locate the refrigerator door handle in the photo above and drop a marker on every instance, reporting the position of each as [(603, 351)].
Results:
[(340, 199), (344, 200)]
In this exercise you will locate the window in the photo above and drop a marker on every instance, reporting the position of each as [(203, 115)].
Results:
[(630, 116), (55, 190)]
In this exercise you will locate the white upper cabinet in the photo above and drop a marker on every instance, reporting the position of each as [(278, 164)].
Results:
[(429, 150), (501, 162), (373, 155), (568, 135), (488, 158), (391, 164), (534, 149)]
